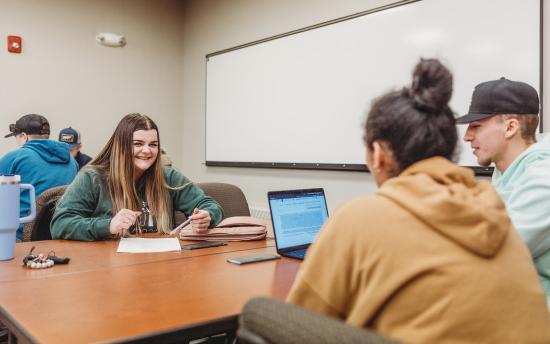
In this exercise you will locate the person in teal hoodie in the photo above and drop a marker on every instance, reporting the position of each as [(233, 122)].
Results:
[(126, 190), (39, 161), (502, 125)]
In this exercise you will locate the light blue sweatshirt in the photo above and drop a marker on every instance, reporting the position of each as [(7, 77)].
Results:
[(525, 189), (42, 163)]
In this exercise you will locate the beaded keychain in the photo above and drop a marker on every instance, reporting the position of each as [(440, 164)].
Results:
[(41, 261)]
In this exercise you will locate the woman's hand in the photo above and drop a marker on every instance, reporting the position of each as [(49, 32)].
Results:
[(201, 220), (122, 221)]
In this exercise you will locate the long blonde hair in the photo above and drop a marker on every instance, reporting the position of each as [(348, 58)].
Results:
[(116, 161)]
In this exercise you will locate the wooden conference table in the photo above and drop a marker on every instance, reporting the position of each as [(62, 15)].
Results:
[(105, 296)]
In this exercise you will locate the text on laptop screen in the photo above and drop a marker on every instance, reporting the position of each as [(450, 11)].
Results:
[(297, 217)]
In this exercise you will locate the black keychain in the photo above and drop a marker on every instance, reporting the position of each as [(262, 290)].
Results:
[(60, 259)]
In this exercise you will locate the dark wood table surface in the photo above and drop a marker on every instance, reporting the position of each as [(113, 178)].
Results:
[(88, 256)]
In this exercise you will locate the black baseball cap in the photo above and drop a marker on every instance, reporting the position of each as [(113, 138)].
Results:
[(501, 97), (31, 125)]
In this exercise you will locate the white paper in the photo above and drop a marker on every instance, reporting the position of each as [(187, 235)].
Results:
[(148, 245)]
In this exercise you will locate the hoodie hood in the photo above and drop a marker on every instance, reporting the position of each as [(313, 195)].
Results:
[(448, 199), (54, 152)]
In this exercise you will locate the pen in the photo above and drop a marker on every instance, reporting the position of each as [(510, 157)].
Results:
[(183, 224)]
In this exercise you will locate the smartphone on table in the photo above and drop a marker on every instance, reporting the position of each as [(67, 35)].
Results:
[(253, 258), (202, 244)]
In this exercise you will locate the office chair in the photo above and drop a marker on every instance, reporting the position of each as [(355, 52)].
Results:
[(39, 229), (269, 321), (230, 197)]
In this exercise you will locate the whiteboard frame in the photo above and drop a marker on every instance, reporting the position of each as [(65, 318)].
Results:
[(479, 170)]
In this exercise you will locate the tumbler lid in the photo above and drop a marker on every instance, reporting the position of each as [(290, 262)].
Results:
[(10, 179)]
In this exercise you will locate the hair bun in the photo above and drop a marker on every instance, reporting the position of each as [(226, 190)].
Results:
[(432, 86)]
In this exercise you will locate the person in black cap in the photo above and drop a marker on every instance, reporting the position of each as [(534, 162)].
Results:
[(73, 138), (502, 125), (39, 161)]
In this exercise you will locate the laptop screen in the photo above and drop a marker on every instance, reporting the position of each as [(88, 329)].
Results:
[(297, 216)]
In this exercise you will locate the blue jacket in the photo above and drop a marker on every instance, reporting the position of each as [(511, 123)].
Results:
[(525, 189), (42, 163)]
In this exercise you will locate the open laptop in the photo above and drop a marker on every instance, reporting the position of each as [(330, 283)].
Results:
[(297, 217)]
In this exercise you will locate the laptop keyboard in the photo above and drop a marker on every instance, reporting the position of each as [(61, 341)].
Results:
[(300, 254)]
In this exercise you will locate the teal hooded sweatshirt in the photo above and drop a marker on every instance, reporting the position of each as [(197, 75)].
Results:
[(525, 188), (42, 163)]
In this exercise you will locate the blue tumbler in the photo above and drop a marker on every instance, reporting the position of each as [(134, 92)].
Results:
[(10, 189)]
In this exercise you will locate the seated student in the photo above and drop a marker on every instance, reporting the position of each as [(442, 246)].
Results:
[(432, 257), (105, 198), (502, 124), (73, 138), (39, 161)]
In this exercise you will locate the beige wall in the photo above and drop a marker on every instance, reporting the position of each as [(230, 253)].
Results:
[(69, 78)]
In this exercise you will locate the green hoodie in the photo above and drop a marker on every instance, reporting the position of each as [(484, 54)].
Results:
[(85, 211), (525, 188)]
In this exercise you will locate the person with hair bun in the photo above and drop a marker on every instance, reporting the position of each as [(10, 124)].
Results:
[(126, 190), (432, 256)]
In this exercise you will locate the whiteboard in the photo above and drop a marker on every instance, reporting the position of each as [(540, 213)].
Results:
[(302, 98)]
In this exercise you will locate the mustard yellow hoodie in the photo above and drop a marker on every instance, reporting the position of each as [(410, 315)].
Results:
[(432, 257)]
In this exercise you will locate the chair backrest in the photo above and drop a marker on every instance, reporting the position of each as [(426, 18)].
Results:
[(229, 196), (265, 320), (39, 229)]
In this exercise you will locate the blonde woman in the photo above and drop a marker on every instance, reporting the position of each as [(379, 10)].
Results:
[(125, 183)]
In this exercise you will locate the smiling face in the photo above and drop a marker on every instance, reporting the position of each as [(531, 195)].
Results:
[(146, 149), (487, 138)]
